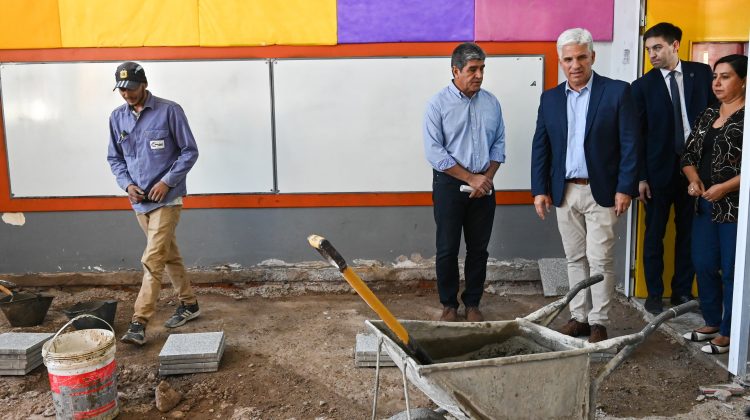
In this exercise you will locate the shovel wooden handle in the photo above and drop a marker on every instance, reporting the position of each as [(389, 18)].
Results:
[(5, 290), (329, 253)]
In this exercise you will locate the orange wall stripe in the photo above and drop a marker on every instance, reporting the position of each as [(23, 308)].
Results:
[(228, 201), (9, 204)]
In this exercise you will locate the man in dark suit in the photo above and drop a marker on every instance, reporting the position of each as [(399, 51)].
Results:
[(584, 160), (666, 119)]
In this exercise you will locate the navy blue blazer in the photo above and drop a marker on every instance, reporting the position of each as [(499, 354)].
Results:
[(659, 160), (610, 142)]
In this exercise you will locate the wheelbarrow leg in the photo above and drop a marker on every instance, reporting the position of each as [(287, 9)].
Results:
[(377, 378), (406, 390)]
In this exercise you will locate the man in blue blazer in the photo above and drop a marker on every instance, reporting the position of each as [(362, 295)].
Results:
[(584, 161), (666, 120)]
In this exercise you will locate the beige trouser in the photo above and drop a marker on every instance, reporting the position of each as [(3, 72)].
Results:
[(161, 252), (588, 237)]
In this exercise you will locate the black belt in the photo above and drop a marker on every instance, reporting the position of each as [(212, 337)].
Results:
[(578, 181)]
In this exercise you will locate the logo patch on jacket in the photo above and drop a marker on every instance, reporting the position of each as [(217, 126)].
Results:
[(156, 144)]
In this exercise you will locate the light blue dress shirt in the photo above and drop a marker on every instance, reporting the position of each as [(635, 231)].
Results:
[(578, 105), (462, 130), (157, 146)]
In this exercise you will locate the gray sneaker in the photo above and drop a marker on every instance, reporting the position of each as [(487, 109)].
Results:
[(136, 334), (183, 314)]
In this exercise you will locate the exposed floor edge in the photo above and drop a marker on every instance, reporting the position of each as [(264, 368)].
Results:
[(523, 273), (676, 327)]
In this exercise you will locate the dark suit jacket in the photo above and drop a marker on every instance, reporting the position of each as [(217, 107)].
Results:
[(654, 106), (610, 142)]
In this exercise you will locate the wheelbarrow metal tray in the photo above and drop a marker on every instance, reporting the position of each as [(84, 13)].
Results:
[(548, 380)]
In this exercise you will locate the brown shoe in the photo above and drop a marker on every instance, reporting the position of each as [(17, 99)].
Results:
[(473, 314), (449, 314), (598, 333), (575, 329)]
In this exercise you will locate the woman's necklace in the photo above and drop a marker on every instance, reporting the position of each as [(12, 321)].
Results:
[(727, 109)]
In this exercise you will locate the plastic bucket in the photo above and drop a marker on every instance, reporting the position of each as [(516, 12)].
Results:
[(82, 372)]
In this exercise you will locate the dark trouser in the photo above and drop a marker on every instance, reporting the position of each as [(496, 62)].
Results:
[(657, 217), (455, 211), (714, 247)]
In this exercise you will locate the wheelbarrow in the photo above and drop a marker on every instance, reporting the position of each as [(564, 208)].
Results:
[(518, 369)]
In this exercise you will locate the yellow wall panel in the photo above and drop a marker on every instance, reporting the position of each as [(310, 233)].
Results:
[(26, 24), (134, 23), (701, 20), (267, 22)]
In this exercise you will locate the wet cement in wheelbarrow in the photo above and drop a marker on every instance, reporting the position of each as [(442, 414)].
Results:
[(512, 346)]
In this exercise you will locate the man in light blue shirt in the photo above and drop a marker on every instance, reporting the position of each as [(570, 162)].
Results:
[(464, 141), (151, 150)]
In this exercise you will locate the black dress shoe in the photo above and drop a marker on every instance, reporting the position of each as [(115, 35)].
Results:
[(679, 300), (654, 305)]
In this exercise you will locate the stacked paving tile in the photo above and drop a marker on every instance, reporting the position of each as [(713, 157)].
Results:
[(191, 353), (366, 351), (20, 353)]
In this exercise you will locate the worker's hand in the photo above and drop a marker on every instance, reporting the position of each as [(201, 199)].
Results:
[(644, 192), (158, 192), (622, 202), (135, 194), (542, 204), (482, 185)]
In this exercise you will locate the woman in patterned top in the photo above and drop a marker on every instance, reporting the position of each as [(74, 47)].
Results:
[(712, 165)]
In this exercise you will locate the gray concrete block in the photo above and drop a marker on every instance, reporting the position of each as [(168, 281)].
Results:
[(366, 345), (193, 346), (19, 372), (190, 366), (22, 343), (367, 364), (4, 357), (166, 372), (166, 363), (365, 352), (554, 274), (10, 364)]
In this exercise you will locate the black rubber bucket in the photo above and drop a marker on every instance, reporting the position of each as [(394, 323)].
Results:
[(104, 309), (25, 309)]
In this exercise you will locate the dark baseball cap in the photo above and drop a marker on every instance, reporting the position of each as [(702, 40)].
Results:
[(129, 75)]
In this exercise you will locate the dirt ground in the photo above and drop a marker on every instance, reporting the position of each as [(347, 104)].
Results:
[(290, 356)]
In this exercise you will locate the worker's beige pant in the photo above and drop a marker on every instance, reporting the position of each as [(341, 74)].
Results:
[(161, 253), (588, 237)]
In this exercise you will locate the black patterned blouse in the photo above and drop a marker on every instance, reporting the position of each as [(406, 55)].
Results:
[(726, 157)]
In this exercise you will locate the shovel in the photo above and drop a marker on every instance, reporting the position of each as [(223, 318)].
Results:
[(330, 254)]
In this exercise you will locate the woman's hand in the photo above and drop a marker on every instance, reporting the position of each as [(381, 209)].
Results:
[(696, 188), (715, 193)]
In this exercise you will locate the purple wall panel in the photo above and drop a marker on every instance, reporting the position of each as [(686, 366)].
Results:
[(365, 21), (542, 20)]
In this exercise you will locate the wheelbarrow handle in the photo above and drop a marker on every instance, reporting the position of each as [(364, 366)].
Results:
[(639, 337), (545, 315), (583, 284), (632, 342)]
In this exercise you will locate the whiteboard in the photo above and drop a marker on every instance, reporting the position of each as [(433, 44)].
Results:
[(56, 118), (355, 125)]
